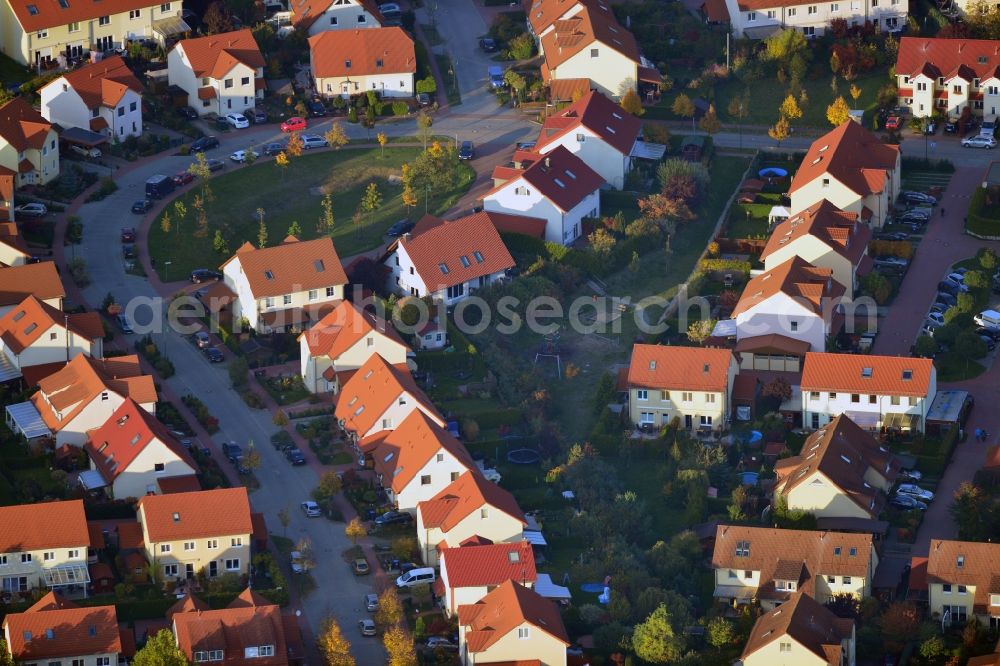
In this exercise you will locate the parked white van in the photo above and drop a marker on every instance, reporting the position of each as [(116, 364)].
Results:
[(415, 577), (988, 319)]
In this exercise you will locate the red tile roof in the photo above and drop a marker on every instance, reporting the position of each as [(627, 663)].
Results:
[(129, 536), (852, 155), (41, 280), (582, 30), (505, 608), (489, 565), (102, 83), (366, 52), (96, 533), (842, 452), (21, 125), (376, 385), (457, 251), (185, 483), (402, 453), (965, 58), (216, 55), (343, 327), (837, 229), (564, 90), (560, 176), (293, 266), (808, 623), (51, 14), (27, 527), (69, 390), (543, 13), (466, 494), (716, 11), (798, 555), (595, 112), (966, 563), (127, 433), (249, 621), (23, 325), (55, 627), (684, 368), (305, 12), (183, 515), (773, 342), (810, 286), (879, 375)]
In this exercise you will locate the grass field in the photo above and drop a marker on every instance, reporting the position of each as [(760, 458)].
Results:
[(294, 196), (921, 181)]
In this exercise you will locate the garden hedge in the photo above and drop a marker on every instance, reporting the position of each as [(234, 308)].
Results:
[(978, 222)]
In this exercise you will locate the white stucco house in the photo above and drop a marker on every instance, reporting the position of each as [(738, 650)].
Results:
[(794, 299), (558, 187), (851, 168), (469, 572), (949, 76), (448, 260), (29, 145), (317, 16), (596, 130), (221, 73), (133, 451), (103, 97), (284, 286), (469, 508), (757, 19), (416, 460), (892, 392), (36, 334), (341, 342), (345, 63)]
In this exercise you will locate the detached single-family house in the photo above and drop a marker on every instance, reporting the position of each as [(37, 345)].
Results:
[(851, 168), (341, 342), (757, 19), (13, 250), (352, 62), (87, 391), (469, 572), (415, 460), (40, 280), (468, 508), (558, 187), (512, 624), (590, 44), (803, 632), (826, 237), (221, 73), (250, 630), (449, 260), (876, 392), (794, 299), (44, 546), (56, 630), (45, 34), (104, 97), (285, 286), (596, 130), (842, 472), (133, 451), (693, 384), (962, 582), (207, 530), (771, 565), (29, 147), (380, 396), (949, 76), (319, 16), (35, 333)]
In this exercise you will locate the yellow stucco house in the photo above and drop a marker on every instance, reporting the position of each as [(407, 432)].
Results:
[(56, 630), (48, 550), (185, 533), (771, 565), (29, 147), (961, 582), (693, 384), (801, 632), (842, 472)]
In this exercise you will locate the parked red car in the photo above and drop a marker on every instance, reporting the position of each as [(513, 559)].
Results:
[(183, 178), (293, 124), (893, 123)]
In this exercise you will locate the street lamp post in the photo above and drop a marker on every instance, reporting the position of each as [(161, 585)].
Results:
[(740, 125), (165, 265)]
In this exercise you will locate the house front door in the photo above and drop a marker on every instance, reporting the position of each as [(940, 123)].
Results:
[(687, 421), (213, 569), (189, 571)]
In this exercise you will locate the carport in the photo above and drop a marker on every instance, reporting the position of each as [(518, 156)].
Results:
[(24, 418), (82, 137)]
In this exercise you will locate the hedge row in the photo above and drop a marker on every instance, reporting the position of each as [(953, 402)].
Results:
[(920, 164), (977, 221)]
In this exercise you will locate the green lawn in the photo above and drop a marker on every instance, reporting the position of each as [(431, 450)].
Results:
[(765, 96), (294, 196), (11, 71)]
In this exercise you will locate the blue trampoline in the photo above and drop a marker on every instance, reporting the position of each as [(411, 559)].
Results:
[(593, 588), (523, 456), (772, 172), (750, 478)]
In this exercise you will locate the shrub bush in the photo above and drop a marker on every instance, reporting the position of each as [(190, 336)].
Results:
[(980, 221), (400, 108)]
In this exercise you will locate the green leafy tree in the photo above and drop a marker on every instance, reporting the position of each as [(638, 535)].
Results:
[(654, 640), (783, 45), (976, 280), (967, 508), (900, 624), (969, 347), (294, 229), (325, 223), (160, 650), (371, 201), (250, 156), (261, 231), (700, 330), (683, 107), (285, 518), (521, 47), (933, 648), (219, 243), (877, 286), (720, 632), (925, 346), (329, 486), (988, 260), (516, 82), (424, 123)]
